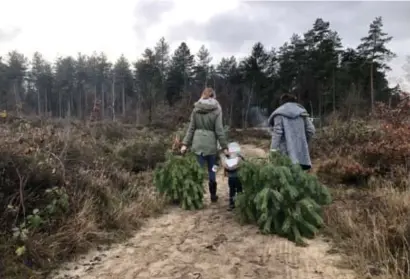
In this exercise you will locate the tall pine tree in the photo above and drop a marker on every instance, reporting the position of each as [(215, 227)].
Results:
[(374, 48)]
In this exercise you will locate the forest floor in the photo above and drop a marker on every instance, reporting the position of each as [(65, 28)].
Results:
[(207, 244)]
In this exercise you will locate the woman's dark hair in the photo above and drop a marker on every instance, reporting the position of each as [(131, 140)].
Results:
[(285, 98)]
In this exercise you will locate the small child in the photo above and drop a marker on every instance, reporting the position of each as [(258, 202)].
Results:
[(231, 166)]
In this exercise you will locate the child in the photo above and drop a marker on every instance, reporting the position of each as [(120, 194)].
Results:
[(231, 164)]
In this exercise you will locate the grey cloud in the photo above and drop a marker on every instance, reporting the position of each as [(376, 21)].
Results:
[(273, 23), (225, 31), (148, 13), (395, 19), (228, 31), (6, 36)]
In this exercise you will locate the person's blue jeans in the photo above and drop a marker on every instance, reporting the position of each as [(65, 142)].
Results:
[(210, 161)]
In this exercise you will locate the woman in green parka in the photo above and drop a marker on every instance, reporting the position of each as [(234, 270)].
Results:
[(204, 132)]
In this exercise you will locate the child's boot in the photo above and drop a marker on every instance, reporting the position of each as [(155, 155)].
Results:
[(231, 205), (212, 191)]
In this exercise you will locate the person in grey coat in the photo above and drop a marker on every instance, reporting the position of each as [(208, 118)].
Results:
[(292, 131)]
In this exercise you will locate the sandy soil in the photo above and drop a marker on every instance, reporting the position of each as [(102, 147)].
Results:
[(207, 244)]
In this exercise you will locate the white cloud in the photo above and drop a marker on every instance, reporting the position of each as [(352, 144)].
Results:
[(67, 27)]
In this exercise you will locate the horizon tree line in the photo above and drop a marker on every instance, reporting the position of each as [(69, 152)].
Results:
[(325, 76)]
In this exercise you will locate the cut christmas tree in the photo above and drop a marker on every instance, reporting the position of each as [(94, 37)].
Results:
[(281, 198), (180, 178)]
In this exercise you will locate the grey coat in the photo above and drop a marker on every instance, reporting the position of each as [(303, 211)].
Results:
[(292, 131)]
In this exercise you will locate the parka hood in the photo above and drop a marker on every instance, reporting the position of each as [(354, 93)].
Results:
[(206, 105), (290, 110)]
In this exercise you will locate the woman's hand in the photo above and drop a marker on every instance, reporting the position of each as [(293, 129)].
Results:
[(183, 149)]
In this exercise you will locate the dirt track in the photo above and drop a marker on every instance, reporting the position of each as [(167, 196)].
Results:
[(207, 244)]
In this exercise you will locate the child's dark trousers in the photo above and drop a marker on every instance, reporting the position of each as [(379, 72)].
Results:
[(235, 187)]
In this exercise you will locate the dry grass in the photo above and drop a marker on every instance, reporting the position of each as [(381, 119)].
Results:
[(365, 167), (105, 172), (103, 189), (373, 229)]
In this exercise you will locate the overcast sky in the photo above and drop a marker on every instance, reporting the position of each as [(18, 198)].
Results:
[(226, 27)]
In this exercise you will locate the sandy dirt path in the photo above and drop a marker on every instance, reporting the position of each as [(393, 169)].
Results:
[(207, 244)]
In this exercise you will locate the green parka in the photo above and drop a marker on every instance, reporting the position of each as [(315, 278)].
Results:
[(205, 128)]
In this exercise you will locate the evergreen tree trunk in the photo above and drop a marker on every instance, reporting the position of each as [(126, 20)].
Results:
[(123, 98), (102, 101), (113, 99), (334, 91), (79, 102), (371, 87), (59, 104), (46, 103), (38, 103)]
